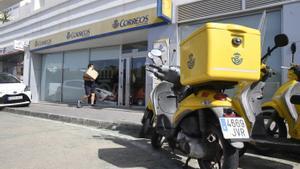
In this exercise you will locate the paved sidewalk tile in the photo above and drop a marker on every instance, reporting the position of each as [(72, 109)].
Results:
[(101, 117)]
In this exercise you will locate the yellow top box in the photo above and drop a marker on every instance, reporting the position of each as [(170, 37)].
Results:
[(220, 52)]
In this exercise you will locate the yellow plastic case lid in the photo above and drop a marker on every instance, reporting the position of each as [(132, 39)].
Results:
[(231, 27)]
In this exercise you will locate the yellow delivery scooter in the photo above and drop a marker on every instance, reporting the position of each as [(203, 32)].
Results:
[(248, 100), (192, 112), (149, 117), (283, 110)]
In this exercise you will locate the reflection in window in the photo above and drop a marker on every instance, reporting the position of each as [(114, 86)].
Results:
[(108, 79), (7, 78), (137, 86), (140, 46), (106, 62), (75, 63), (51, 77)]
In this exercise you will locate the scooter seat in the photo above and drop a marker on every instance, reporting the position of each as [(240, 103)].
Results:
[(295, 99)]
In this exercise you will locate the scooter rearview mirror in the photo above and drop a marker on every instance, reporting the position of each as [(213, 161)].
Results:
[(154, 53), (293, 48), (150, 55), (281, 40)]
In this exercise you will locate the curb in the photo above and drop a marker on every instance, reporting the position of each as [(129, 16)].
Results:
[(120, 126)]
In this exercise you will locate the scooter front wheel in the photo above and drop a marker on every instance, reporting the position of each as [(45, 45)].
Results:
[(226, 157), (145, 128), (147, 124), (157, 140)]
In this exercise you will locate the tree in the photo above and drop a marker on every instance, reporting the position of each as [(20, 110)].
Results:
[(4, 16)]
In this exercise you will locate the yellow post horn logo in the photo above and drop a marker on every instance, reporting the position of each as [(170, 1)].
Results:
[(237, 59), (191, 61)]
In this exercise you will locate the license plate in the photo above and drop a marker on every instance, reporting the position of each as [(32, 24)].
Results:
[(234, 128), (15, 98)]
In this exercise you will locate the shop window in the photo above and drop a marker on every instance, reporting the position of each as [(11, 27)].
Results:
[(13, 64), (106, 62), (51, 77), (140, 46), (75, 64), (137, 81), (75, 83)]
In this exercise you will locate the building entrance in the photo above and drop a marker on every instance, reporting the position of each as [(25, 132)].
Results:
[(132, 79)]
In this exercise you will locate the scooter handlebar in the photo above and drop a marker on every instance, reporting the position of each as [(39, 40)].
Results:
[(155, 67), (156, 73), (159, 75), (166, 73), (285, 67), (149, 70)]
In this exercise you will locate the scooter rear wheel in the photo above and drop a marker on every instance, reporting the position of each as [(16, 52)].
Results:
[(227, 157), (275, 128)]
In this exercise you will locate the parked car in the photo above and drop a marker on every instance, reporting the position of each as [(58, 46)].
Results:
[(13, 92)]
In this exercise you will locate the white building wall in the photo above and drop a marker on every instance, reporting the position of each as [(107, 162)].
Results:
[(50, 3), (26, 68), (67, 15), (35, 77), (32, 73), (21, 9), (290, 26)]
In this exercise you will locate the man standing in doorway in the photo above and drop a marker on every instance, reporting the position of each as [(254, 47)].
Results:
[(89, 87)]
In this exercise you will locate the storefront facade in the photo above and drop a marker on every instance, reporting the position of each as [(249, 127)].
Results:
[(12, 59), (121, 70), (116, 35), (117, 47)]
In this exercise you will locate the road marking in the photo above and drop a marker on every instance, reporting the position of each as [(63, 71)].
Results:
[(273, 159)]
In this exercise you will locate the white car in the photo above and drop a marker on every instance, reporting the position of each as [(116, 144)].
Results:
[(13, 92)]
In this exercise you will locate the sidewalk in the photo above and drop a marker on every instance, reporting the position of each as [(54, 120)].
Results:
[(108, 118)]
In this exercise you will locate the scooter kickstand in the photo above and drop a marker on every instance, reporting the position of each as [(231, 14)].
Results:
[(186, 165)]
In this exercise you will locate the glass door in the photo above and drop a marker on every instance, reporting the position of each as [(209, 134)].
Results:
[(133, 79), (106, 62), (137, 81)]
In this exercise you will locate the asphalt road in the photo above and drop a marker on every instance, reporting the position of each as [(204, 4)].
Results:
[(32, 143)]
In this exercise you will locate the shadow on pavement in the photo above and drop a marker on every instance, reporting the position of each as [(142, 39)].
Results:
[(131, 132), (131, 155), (139, 153)]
